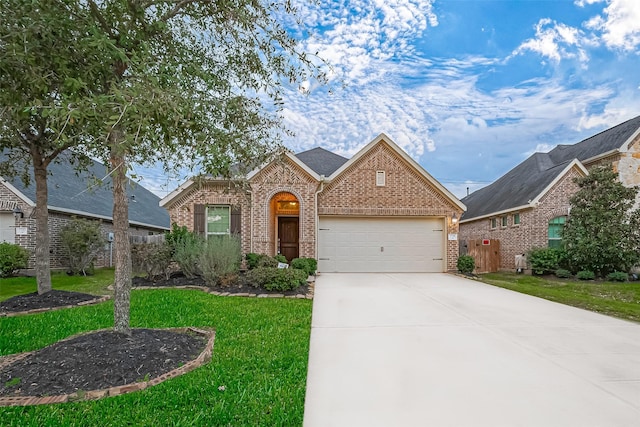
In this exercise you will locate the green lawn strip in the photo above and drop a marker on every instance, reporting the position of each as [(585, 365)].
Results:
[(611, 298), (95, 284), (259, 357)]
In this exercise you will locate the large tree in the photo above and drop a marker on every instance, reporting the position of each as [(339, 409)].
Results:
[(189, 82), (602, 233)]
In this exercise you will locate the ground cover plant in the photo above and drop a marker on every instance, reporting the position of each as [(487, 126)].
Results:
[(257, 375), (607, 297)]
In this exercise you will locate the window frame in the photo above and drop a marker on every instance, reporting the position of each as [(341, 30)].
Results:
[(214, 233), (504, 221), (494, 223), (556, 239), (515, 219)]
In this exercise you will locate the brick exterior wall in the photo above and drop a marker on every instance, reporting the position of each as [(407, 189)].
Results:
[(354, 193), (532, 230)]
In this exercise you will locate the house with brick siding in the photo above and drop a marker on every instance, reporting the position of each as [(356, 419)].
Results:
[(74, 194), (379, 211), (527, 207)]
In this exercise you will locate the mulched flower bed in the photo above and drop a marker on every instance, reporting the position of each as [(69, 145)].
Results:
[(99, 360), (51, 299), (237, 286)]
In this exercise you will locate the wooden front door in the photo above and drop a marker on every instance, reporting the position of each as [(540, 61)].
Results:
[(288, 237)]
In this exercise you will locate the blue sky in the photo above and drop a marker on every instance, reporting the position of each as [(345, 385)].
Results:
[(469, 88)]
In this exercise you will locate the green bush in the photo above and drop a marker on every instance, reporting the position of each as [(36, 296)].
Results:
[(220, 257), (307, 264), (545, 260), (186, 252), (276, 279), (586, 275), (617, 276), (177, 235), (466, 264), (562, 273), (281, 258), (252, 260), (82, 240), (153, 259), (12, 258), (266, 261)]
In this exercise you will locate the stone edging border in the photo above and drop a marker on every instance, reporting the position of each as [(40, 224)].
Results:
[(203, 357), (42, 310), (308, 295)]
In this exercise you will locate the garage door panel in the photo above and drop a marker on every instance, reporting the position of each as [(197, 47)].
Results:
[(380, 244)]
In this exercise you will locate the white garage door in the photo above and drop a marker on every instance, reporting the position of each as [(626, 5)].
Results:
[(7, 227), (358, 245)]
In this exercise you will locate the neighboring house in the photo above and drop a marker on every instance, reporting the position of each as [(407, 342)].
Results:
[(377, 212), (528, 206), (83, 195)]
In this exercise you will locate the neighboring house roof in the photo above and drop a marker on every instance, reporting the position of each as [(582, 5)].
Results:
[(321, 161), (85, 194), (604, 142), (525, 184)]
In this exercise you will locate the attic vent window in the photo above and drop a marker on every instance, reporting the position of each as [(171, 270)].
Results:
[(380, 179)]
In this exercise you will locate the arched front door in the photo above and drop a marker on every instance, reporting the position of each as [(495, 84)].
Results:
[(287, 216)]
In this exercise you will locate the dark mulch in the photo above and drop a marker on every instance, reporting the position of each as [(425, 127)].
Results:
[(51, 299), (237, 286), (98, 361)]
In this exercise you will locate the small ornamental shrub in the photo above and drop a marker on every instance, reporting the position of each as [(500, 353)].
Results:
[(466, 264), (220, 257), (82, 240), (562, 273), (176, 235), (12, 258), (307, 264), (186, 253), (586, 275), (266, 261), (252, 260), (153, 259), (276, 279), (617, 276), (545, 260), (281, 258)]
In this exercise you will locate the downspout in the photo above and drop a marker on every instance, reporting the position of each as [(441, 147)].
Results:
[(317, 219)]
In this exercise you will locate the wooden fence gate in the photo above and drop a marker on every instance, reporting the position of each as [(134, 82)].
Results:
[(485, 252)]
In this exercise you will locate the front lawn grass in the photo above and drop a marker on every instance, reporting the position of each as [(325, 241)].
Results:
[(257, 375), (95, 284), (611, 298)]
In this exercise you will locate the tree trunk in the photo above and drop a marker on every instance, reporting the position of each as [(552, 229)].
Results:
[(43, 265), (122, 249)]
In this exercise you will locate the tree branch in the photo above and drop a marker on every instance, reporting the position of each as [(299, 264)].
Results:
[(180, 4), (95, 11)]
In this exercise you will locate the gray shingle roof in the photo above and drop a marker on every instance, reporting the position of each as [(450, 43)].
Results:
[(526, 181), (321, 161), (69, 190)]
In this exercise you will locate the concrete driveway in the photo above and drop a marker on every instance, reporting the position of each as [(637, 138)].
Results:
[(440, 350)]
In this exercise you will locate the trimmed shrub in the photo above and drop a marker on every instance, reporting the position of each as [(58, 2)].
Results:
[(276, 279), (466, 264), (281, 258), (220, 257), (562, 273), (186, 252), (585, 275), (545, 260), (307, 264), (82, 240), (176, 235), (153, 259), (12, 258), (252, 260), (266, 261), (617, 276)]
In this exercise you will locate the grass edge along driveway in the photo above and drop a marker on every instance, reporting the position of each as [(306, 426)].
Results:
[(257, 375), (615, 299)]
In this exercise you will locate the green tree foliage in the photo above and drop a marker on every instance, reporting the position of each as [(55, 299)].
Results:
[(196, 83), (603, 232), (82, 240)]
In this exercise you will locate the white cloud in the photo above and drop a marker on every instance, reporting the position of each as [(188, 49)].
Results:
[(555, 41), (619, 25)]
